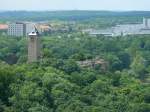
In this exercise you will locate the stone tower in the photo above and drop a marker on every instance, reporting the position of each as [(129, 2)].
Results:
[(33, 46)]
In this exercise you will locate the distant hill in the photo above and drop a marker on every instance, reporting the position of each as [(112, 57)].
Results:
[(66, 15)]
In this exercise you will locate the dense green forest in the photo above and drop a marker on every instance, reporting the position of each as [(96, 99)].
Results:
[(58, 83)]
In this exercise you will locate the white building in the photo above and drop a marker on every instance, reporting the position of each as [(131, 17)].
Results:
[(146, 23), (29, 28), (122, 30), (20, 29), (16, 29)]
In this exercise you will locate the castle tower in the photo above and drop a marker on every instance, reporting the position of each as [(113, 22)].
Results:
[(33, 46)]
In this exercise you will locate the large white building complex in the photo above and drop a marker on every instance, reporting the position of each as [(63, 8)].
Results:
[(20, 29), (122, 30)]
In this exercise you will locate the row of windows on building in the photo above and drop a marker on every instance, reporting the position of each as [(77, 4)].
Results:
[(19, 29)]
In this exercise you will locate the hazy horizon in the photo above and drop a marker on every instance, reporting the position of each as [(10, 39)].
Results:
[(58, 5), (73, 10)]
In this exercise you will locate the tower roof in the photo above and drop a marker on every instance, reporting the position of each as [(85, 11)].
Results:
[(34, 32)]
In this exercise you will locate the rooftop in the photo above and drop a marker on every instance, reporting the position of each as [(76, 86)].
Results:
[(3, 26), (34, 32)]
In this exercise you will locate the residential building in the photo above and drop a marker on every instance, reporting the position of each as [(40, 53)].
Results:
[(44, 28), (20, 29)]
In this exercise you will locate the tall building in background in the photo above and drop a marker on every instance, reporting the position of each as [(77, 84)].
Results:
[(16, 29), (34, 46), (29, 27), (19, 29), (146, 23)]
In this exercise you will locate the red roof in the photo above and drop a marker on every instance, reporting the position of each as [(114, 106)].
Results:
[(3, 26)]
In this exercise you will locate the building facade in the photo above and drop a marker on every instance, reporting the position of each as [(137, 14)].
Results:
[(19, 29), (146, 23), (29, 27), (123, 29)]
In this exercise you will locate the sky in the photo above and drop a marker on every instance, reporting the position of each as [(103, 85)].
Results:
[(39, 5)]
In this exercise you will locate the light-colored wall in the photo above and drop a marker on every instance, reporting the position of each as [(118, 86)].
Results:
[(148, 22), (21, 29), (29, 28), (16, 29)]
